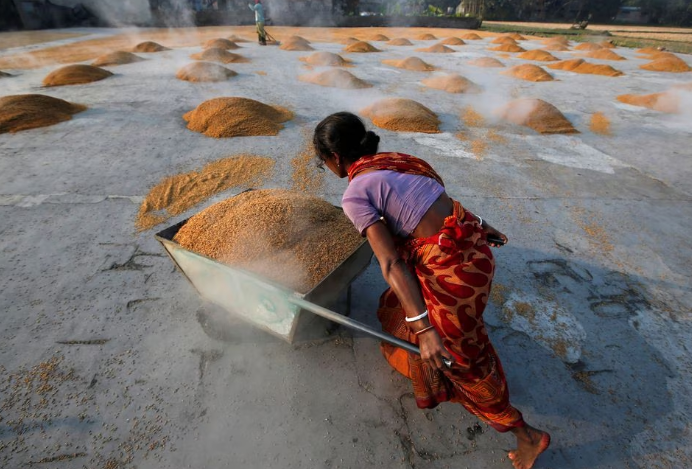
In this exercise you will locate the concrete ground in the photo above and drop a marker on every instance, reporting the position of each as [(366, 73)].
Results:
[(109, 360)]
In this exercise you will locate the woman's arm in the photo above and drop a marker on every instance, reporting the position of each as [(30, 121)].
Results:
[(405, 285)]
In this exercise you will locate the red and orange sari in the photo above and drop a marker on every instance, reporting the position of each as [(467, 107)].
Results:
[(455, 270)]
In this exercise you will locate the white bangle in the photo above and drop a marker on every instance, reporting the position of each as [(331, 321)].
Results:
[(480, 220), (417, 318)]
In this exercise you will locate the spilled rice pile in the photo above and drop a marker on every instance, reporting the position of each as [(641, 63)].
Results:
[(402, 115), (538, 55), (30, 111), (75, 75), (302, 237), (538, 115), (361, 47), (176, 194), (581, 66), (236, 117), (529, 72), (335, 78), (116, 58), (399, 41), (600, 124), (486, 62), (204, 72), (219, 55), (149, 46), (452, 84), (225, 44), (410, 63), (437, 49), (325, 59)]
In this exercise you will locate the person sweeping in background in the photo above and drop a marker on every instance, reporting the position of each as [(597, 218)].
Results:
[(259, 20), (436, 257)]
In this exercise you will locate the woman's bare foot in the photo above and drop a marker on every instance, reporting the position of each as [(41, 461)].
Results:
[(530, 443)]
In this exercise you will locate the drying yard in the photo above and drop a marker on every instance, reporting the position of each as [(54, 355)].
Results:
[(580, 153)]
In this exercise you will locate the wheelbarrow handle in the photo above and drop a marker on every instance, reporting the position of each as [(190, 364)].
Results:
[(359, 326)]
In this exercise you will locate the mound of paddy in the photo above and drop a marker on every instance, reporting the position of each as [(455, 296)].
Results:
[(335, 78), (149, 46), (588, 46), (555, 47), (503, 40), (529, 72), (402, 115), (204, 72), (508, 48), (426, 37), (295, 43), (410, 63), (116, 58), (399, 41), (580, 66), (437, 49), (236, 117), (324, 59), (486, 62), (378, 37), (604, 54), (75, 75), (471, 37), (361, 47), (452, 84), (539, 55), (538, 115), (225, 44), (219, 55), (453, 41), (237, 39), (668, 101), (30, 111), (667, 64)]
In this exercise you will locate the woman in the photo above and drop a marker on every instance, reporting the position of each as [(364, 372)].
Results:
[(435, 256)]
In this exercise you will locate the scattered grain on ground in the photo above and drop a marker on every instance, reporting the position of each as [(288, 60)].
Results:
[(176, 194), (236, 117), (287, 237), (472, 118), (600, 124)]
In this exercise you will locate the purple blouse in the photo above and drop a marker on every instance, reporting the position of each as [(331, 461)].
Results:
[(402, 199)]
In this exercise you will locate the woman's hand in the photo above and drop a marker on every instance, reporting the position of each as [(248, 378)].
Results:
[(489, 230), (432, 351)]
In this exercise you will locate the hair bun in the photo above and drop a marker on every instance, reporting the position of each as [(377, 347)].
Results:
[(369, 143)]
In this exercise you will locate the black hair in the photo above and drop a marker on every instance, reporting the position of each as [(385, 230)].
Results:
[(344, 133)]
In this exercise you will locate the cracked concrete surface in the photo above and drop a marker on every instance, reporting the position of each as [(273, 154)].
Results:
[(109, 358)]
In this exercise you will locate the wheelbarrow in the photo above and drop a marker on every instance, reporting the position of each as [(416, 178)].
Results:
[(276, 309)]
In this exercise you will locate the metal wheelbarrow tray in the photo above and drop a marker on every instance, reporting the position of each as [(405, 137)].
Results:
[(259, 301)]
